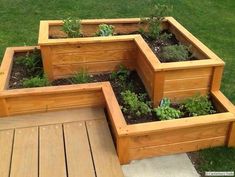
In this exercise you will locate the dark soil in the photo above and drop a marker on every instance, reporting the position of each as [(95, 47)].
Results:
[(137, 87), (196, 160), (158, 44)]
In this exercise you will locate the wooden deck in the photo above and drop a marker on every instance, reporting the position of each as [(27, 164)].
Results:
[(72, 143)]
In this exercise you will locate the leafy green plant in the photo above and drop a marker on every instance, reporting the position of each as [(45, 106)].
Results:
[(72, 27), (165, 112), (36, 82), (105, 30), (154, 21), (80, 77), (175, 53), (32, 61), (198, 105), (133, 104)]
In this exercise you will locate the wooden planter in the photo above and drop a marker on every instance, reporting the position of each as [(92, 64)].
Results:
[(176, 80), (132, 141), (143, 140)]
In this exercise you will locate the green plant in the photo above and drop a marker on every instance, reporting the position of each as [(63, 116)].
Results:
[(174, 53), (198, 105), (32, 62), (133, 104), (72, 27), (154, 21), (105, 30), (36, 82), (167, 113), (80, 77)]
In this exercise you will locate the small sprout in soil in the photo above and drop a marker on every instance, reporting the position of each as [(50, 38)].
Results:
[(198, 105), (36, 82), (174, 53), (134, 105), (72, 27), (32, 61), (80, 77), (154, 21), (105, 30)]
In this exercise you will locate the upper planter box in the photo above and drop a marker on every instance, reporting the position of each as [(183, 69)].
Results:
[(176, 80)]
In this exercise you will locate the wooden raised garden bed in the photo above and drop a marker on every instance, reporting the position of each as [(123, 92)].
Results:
[(175, 80)]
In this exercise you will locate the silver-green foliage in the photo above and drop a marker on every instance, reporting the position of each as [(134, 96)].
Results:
[(105, 30), (80, 77), (36, 82)]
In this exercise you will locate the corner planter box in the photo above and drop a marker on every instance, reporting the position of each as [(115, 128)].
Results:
[(176, 80), (132, 141), (144, 140)]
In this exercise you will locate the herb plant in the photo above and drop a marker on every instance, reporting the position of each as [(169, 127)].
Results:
[(154, 21), (165, 112), (133, 104), (174, 53), (80, 77), (32, 62), (105, 30), (198, 105), (36, 82), (72, 27)]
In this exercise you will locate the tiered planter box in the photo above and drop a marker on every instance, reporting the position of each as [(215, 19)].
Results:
[(177, 80)]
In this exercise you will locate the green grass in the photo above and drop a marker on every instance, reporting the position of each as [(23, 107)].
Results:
[(212, 21)]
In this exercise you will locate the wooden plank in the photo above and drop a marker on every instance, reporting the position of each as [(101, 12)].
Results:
[(44, 103), (94, 56), (60, 71), (139, 153), (64, 116), (159, 83), (189, 73), (231, 136), (6, 142), (47, 59), (78, 153), (25, 153), (4, 109), (94, 46), (180, 95), (217, 78), (105, 158), (189, 83), (180, 135), (122, 145), (52, 153)]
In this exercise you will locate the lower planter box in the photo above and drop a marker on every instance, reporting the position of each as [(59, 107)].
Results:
[(132, 141)]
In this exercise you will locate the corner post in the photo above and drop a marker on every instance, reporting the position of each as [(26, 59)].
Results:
[(216, 78), (123, 150), (47, 58), (231, 137), (158, 89)]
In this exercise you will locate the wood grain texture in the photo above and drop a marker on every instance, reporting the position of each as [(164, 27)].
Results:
[(52, 153), (159, 84), (48, 118), (47, 57), (217, 78), (78, 153), (103, 150), (139, 153), (25, 153), (231, 136), (6, 142)]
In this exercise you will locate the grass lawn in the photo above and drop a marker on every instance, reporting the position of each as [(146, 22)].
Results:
[(212, 21)]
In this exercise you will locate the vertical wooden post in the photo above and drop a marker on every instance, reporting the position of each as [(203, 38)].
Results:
[(158, 88), (216, 78), (47, 58), (123, 149), (231, 139), (3, 108)]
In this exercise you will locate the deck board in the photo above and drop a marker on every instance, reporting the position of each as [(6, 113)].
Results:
[(6, 140), (103, 150), (79, 160), (72, 143), (25, 153), (52, 154)]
